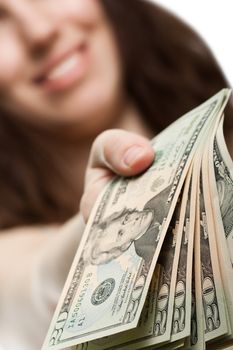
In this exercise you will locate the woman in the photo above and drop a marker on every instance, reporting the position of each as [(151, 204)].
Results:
[(67, 73)]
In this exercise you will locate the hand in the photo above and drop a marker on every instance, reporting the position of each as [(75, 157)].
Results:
[(113, 152)]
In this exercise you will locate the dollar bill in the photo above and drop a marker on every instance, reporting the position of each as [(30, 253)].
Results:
[(219, 194), (213, 298), (168, 260), (111, 273), (223, 171), (197, 339), (182, 305), (195, 326), (145, 326), (155, 329)]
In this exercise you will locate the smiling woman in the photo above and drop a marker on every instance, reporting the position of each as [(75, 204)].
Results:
[(70, 70), (56, 70), (64, 78)]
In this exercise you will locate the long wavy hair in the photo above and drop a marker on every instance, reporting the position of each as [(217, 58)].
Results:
[(168, 70)]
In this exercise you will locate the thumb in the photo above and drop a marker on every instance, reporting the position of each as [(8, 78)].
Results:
[(122, 152), (114, 152)]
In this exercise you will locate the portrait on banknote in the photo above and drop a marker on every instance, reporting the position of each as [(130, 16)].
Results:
[(116, 233)]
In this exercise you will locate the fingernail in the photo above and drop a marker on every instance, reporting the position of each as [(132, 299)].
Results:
[(133, 154)]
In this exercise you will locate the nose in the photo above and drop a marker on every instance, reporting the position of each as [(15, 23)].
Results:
[(36, 27)]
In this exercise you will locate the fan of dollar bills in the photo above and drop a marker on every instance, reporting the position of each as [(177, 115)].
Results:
[(155, 265)]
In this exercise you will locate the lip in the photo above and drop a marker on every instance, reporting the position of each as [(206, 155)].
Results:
[(69, 78)]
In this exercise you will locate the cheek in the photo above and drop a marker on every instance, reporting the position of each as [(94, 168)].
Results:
[(11, 61), (89, 10), (86, 12)]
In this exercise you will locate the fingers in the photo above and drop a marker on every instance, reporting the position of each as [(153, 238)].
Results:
[(92, 192), (113, 152), (123, 152)]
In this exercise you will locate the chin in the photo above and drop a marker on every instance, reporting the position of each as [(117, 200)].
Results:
[(93, 114)]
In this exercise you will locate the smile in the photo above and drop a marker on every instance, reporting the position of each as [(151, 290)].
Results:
[(64, 67), (65, 71)]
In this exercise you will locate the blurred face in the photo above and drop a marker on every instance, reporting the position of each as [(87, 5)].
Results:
[(59, 64)]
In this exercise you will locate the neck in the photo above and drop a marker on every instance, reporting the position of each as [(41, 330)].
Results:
[(131, 120)]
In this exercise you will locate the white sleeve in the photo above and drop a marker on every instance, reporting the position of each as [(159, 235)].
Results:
[(34, 263)]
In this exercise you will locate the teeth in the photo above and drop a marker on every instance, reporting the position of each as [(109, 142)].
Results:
[(63, 67)]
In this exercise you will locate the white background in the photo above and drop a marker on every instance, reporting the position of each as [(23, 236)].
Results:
[(213, 20)]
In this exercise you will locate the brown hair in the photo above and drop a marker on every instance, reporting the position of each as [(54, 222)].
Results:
[(168, 70)]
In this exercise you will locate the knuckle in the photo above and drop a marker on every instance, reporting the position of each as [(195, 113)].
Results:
[(115, 146), (103, 137), (99, 147)]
